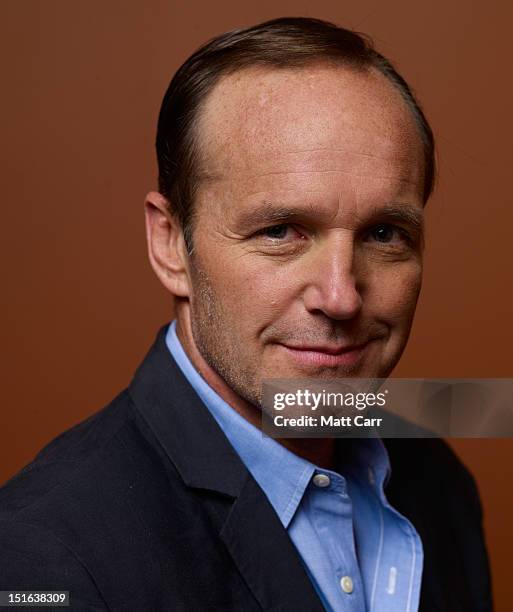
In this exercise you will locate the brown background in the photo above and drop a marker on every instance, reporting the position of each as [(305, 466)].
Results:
[(82, 84)]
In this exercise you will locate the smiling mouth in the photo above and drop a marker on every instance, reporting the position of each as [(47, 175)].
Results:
[(327, 356)]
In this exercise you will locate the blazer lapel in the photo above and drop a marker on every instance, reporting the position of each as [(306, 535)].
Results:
[(252, 532), (265, 554)]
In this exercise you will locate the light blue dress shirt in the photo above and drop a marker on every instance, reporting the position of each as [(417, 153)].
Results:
[(360, 553)]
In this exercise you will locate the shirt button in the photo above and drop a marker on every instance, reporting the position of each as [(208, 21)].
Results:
[(347, 584), (321, 480)]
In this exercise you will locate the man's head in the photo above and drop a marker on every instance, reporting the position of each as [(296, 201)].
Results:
[(289, 219)]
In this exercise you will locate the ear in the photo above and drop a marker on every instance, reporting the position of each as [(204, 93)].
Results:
[(166, 245)]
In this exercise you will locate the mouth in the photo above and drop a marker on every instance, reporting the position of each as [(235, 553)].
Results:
[(329, 356)]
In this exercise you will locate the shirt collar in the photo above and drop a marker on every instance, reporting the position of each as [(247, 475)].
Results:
[(281, 474)]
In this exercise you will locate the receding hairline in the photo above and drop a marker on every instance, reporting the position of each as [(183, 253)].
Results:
[(200, 143)]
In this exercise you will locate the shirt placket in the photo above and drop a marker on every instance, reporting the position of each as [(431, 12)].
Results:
[(333, 522)]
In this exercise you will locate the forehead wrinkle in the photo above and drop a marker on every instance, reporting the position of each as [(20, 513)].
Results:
[(213, 164), (336, 150), (338, 170)]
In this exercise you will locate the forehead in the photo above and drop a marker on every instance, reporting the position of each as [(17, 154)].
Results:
[(337, 116)]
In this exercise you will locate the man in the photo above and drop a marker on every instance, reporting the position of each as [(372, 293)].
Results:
[(294, 166)]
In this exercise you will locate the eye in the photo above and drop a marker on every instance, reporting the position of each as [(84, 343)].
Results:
[(276, 232), (386, 233)]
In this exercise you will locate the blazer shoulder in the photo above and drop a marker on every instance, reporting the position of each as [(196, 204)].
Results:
[(94, 500), (70, 460), (34, 556)]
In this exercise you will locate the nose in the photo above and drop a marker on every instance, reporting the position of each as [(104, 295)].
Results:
[(331, 285)]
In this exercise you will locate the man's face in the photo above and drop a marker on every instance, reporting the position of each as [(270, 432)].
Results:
[(307, 254)]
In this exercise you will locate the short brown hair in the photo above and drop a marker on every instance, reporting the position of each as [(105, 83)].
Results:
[(281, 43)]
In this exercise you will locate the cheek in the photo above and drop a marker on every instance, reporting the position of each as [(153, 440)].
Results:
[(256, 292), (394, 292)]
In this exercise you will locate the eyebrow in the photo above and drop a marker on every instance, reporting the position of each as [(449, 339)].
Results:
[(270, 213), (406, 213)]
